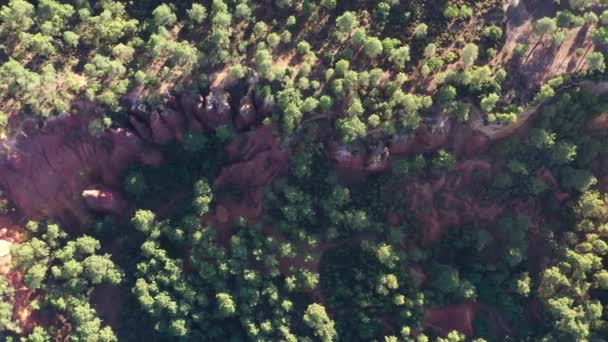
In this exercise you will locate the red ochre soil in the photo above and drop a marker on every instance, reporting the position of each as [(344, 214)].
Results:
[(447, 201), (461, 317), (60, 170), (453, 317), (74, 174)]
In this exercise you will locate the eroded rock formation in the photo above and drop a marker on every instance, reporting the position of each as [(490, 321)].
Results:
[(59, 169), (44, 171), (256, 162)]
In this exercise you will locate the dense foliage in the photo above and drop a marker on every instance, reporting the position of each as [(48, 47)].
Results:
[(338, 253)]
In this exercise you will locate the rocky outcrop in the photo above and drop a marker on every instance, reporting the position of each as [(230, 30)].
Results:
[(357, 161), (217, 110), (401, 144), (246, 115)]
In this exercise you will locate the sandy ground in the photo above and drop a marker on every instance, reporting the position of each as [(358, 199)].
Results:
[(543, 60)]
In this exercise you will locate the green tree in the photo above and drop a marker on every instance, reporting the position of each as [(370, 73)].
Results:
[(310, 104), (164, 16), (242, 11), (111, 25), (563, 152), (430, 50), (7, 321), (544, 26), (135, 184), (88, 327), (603, 18), (359, 37), (372, 47), (421, 31), (492, 32), (469, 54), (65, 272), (197, 13), (263, 62), (347, 22), (545, 92), (303, 48), (351, 128), (202, 197), (39, 43), (595, 61), (450, 11), (273, 40), (317, 319), (444, 161), (600, 36), (591, 205), (400, 56), (342, 66), (53, 16), (328, 4), (580, 5), (16, 16), (489, 102), (143, 221), (71, 38), (226, 305), (325, 103)]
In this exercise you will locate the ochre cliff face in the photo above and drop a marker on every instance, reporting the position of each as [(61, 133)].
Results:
[(256, 161), (45, 170), (60, 170)]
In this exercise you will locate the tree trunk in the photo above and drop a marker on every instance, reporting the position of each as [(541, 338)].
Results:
[(540, 40), (583, 57)]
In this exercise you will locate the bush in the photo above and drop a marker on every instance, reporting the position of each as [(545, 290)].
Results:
[(493, 33)]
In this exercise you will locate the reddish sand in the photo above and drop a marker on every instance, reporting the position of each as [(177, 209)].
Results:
[(256, 162), (458, 317), (45, 171), (446, 202)]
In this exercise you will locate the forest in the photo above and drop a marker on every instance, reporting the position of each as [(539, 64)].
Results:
[(303, 170)]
